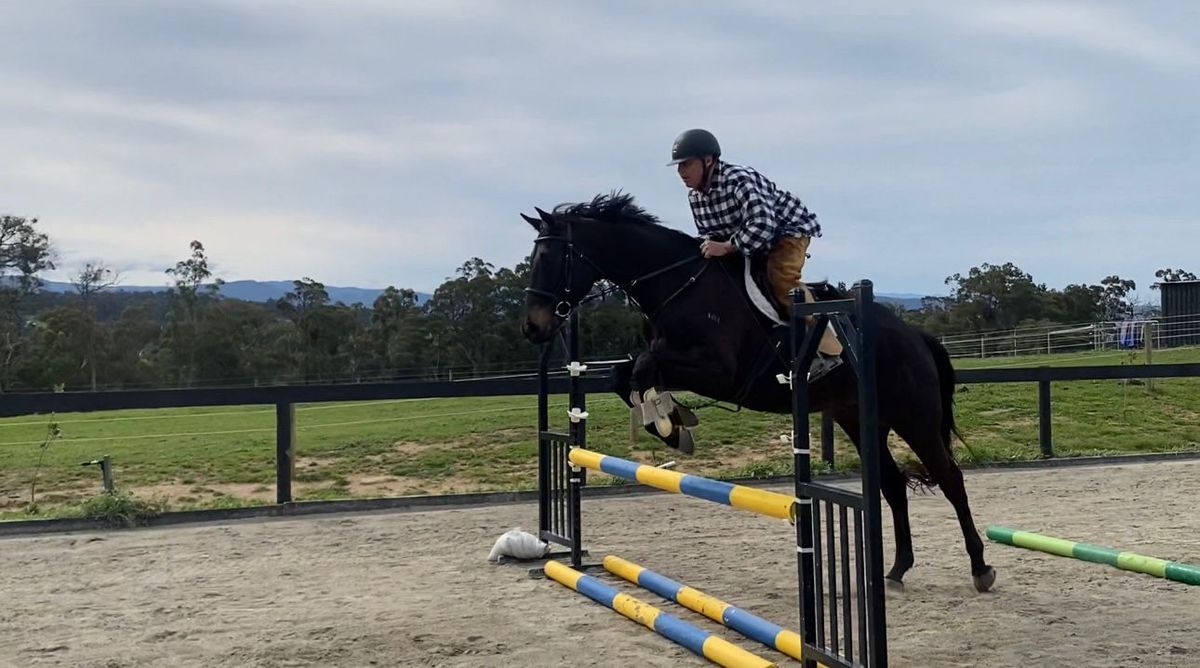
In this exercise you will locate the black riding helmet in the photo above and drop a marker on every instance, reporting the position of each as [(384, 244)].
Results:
[(694, 143)]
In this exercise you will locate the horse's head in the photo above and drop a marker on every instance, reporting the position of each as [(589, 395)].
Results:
[(559, 276)]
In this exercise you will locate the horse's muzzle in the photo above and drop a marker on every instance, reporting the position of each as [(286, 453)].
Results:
[(540, 325)]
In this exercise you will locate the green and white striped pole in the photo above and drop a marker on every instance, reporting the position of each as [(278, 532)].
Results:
[(1171, 570)]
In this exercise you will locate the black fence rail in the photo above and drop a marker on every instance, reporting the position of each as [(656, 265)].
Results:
[(284, 398), (1043, 376)]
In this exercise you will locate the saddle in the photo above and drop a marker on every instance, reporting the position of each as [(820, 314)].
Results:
[(660, 409), (758, 289)]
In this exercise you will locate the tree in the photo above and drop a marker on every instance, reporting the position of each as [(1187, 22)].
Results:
[(996, 297), (396, 331), (23, 253), (1076, 303), (23, 250), (93, 279), (244, 341), (59, 348), (474, 317), (135, 340), (1113, 304), (1169, 275), (188, 298), (324, 332)]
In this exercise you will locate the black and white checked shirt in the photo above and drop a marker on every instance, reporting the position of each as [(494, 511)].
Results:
[(748, 209)]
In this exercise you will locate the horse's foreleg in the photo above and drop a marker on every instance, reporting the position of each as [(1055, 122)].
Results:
[(622, 381), (661, 369)]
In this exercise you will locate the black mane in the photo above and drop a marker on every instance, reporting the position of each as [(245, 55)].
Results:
[(613, 207)]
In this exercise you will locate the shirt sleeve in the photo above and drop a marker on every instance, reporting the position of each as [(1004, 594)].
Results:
[(758, 229)]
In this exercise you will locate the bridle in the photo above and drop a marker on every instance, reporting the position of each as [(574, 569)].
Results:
[(565, 304)]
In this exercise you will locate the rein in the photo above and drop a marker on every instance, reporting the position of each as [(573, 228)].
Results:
[(564, 305)]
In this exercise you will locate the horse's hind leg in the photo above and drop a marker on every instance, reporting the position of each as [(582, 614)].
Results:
[(922, 436), (893, 485)]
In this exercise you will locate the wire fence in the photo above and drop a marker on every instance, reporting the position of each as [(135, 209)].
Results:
[(1057, 339)]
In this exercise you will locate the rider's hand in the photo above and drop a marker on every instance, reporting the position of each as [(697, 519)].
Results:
[(710, 248)]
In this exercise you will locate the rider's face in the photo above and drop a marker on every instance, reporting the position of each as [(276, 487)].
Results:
[(692, 172)]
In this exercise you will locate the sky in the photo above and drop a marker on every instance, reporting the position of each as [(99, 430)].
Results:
[(370, 142)]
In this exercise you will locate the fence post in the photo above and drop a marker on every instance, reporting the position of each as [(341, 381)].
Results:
[(285, 451), (106, 474), (1148, 338), (1044, 434)]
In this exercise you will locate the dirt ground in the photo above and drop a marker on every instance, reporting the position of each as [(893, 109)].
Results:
[(415, 588)]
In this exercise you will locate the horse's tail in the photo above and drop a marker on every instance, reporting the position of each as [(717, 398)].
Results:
[(945, 371), (915, 475)]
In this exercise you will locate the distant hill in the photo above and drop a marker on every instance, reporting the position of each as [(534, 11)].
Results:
[(255, 291), (908, 300), (262, 291)]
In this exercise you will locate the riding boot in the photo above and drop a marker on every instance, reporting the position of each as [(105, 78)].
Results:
[(822, 364), (785, 264)]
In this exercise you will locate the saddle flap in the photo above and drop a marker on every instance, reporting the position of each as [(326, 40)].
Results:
[(758, 289)]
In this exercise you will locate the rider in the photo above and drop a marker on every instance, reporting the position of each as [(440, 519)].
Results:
[(736, 209)]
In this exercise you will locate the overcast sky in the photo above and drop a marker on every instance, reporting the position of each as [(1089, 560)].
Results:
[(377, 142)]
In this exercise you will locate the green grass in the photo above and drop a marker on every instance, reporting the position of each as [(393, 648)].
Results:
[(224, 457)]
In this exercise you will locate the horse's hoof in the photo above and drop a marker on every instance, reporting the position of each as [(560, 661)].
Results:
[(985, 580), (685, 416), (664, 427), (894, 585), (687, 445)]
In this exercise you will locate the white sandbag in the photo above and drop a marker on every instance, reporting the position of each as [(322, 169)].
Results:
[(519, 545)]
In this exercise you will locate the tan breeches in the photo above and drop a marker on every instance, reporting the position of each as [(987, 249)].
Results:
[(785, 264)]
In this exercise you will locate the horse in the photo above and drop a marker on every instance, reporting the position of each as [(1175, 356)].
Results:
[(704, 336)]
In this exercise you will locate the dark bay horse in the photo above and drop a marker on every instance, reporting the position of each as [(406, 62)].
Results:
[(704, 336)]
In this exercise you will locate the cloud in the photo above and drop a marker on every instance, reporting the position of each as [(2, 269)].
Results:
[(1094, 29), (373, 143)]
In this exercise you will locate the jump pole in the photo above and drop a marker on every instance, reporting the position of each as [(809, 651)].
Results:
[(1128, 561), (702, 643), (751, 626), (763, 502)]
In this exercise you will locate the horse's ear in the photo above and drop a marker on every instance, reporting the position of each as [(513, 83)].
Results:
[(537, 224), (545, 216)]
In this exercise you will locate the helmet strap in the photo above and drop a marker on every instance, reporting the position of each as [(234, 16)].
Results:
[(708, 172)]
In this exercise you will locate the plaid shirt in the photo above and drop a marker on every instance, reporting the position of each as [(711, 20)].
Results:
[(748, 209)]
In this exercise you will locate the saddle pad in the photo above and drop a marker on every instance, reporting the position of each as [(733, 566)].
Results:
[(760, 301)]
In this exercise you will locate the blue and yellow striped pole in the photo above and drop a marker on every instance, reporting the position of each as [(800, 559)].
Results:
[(771, 504), (751, 626), (1171, 570), (703, 643)]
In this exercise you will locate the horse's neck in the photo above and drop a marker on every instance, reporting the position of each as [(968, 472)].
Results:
[(631, 251)]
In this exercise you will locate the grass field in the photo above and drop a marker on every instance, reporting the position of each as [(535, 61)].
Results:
[(213, 457)]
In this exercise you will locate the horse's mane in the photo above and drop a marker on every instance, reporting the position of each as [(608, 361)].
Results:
[(619, 207), (615, 206)]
